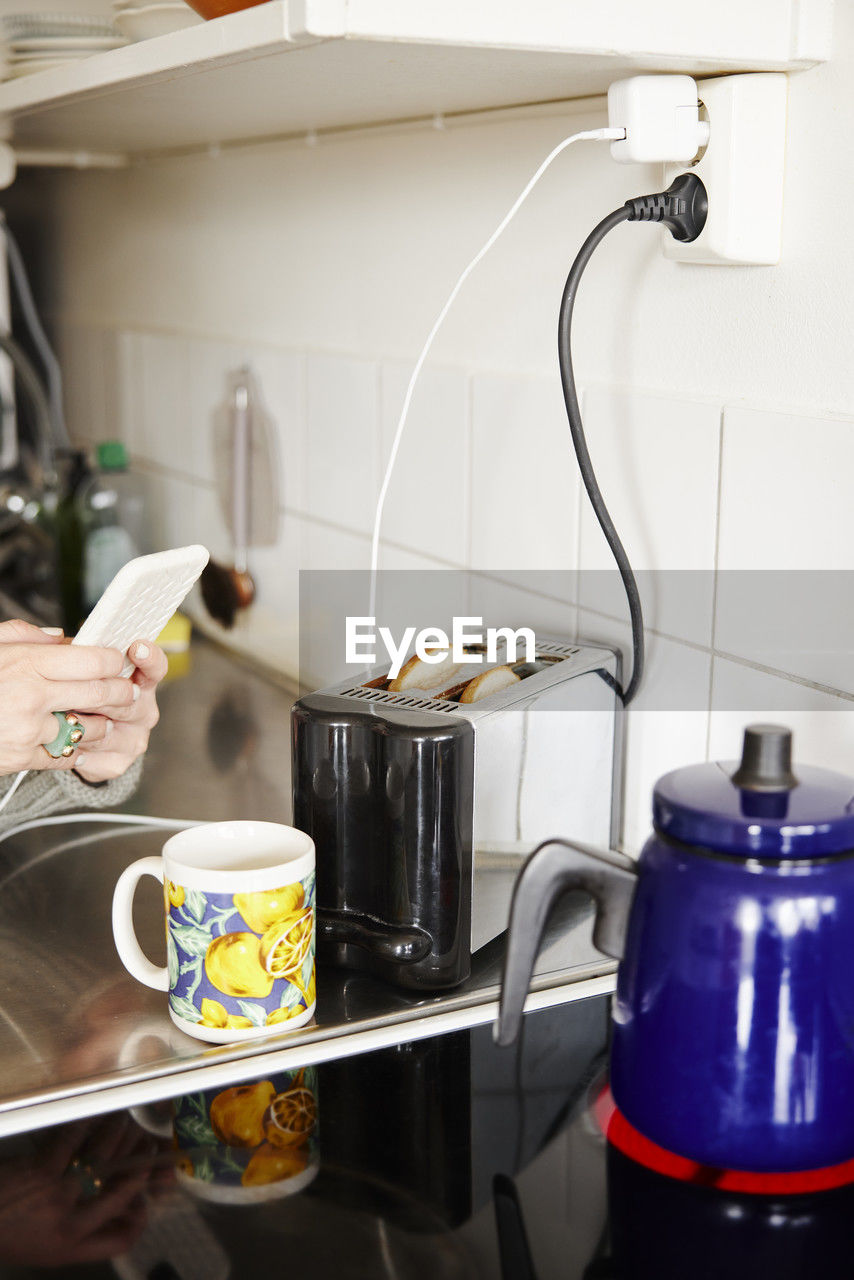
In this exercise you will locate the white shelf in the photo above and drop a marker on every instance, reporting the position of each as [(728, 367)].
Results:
[(291, 66)]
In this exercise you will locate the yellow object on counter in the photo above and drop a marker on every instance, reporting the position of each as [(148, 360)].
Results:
[(174, 639), (179, 666), (175, 636)]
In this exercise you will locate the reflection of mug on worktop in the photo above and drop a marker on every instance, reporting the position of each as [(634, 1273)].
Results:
[(240, 928), (245, 1144)]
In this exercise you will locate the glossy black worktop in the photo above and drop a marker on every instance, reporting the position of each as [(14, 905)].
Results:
[(447, 1158)]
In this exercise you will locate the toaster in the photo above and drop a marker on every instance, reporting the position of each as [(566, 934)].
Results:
[(423, 807)]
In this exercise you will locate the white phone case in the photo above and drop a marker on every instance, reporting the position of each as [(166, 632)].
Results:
[(141, 599)]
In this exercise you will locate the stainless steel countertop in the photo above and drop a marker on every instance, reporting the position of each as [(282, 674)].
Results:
[(79, 1036)]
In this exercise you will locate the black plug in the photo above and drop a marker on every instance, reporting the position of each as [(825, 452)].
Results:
[(683, 207)]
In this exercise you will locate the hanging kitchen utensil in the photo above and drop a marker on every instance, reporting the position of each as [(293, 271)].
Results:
[(226, 591)]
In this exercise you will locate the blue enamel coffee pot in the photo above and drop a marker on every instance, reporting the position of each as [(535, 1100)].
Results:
[(733, 1020)]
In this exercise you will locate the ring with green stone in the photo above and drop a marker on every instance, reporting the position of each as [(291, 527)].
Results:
[(70, 732), (91, 1183)]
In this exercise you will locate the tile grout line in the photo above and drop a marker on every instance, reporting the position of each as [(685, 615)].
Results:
[(303, 425), (379, 460), (469, 464), (579, 503), (715, 572), (755, 404), (307, 486), (787, 676)]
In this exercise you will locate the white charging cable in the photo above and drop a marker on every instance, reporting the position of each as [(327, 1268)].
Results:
[(113, 820), (13, 789), (103, 816), (589, 135)]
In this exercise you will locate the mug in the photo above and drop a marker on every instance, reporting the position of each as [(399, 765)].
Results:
[(239, 899)]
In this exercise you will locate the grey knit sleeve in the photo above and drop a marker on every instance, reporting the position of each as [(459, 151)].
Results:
[(48, 791)]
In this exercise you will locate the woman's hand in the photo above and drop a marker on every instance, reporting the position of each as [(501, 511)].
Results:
[(124, 735), (49, 1218), (39, 674)]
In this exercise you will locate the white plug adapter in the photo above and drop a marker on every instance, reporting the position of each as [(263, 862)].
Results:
[(742, 170), (661, 119)]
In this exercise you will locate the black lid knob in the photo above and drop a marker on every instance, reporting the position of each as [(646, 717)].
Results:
[(766, 759)]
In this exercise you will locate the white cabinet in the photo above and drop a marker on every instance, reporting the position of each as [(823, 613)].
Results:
[(291, 66)]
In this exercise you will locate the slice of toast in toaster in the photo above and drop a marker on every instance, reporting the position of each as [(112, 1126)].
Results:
[(418, 674), (489, 682)]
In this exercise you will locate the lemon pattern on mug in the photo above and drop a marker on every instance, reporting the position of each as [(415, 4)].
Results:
[(244, 961)]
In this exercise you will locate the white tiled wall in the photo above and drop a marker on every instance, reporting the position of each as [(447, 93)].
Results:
[(787, 481), (823, 724), (431, 510), (788, 487), (656, 459), (486, 480), (524, 485), (342, 433)]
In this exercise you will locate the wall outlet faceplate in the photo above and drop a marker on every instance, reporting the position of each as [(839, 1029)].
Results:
[(742, 169)]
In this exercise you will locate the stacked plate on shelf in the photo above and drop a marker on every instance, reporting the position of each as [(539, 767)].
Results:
[(31, 42), (139, 20)]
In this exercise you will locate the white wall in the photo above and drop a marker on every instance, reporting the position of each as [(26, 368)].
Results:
[(718, 401)]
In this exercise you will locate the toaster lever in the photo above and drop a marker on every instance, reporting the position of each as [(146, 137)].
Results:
[(405, 944)]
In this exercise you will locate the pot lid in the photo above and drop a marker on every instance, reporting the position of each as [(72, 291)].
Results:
[(758, 806)]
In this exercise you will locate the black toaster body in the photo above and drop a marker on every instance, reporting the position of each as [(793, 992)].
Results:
[(388, 802)]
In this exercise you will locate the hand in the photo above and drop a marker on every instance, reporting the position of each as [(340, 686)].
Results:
[(127, 726), (39, 674)]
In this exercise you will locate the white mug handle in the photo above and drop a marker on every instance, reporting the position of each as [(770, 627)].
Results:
[(146, 1118), (130, 952), (145, 1115)]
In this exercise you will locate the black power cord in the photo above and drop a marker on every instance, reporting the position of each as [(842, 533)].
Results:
[(682, 208)]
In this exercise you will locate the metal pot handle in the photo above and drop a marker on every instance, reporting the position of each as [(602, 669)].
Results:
[(552, 869)]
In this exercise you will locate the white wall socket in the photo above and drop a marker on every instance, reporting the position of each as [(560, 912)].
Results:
[(742, 169)]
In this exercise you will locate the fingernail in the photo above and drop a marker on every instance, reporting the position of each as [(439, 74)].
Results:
[(53, 631), (136, 692), (142, 651)]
